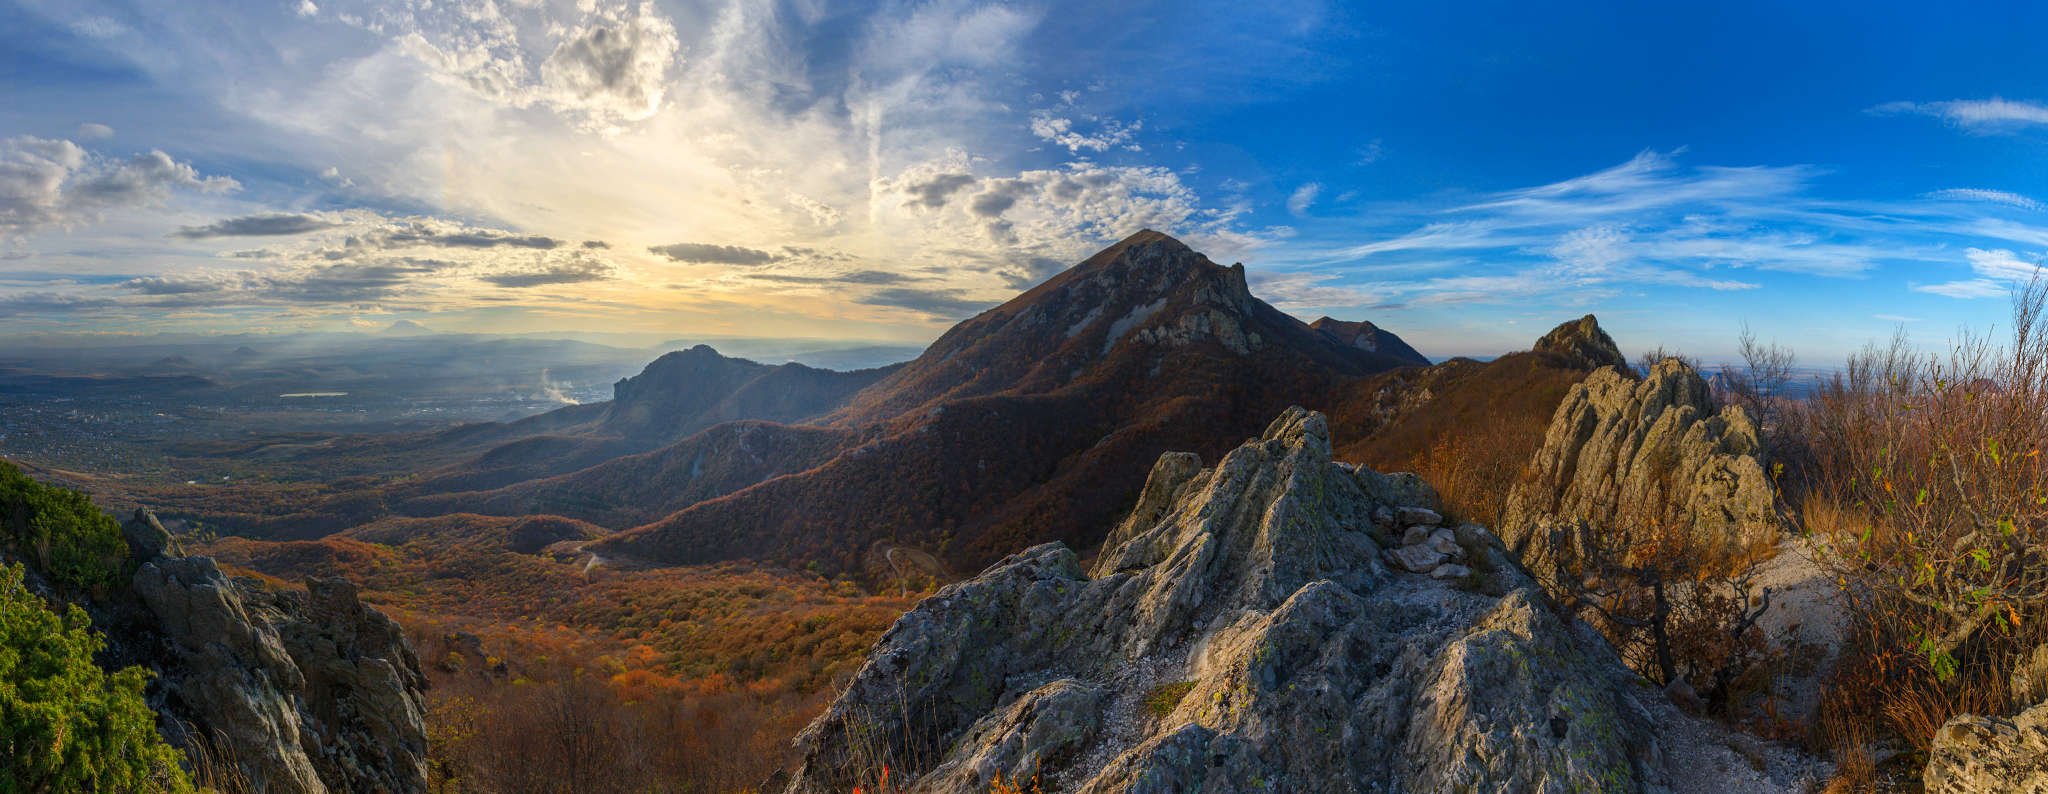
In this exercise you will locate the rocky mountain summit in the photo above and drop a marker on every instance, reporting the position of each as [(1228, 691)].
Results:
[(289, 691), (1244, 630), (1619, 447), (1032, 421), (1584, 341), (1364, 335)]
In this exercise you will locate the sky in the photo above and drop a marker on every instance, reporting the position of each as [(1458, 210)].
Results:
[(1464, 174)]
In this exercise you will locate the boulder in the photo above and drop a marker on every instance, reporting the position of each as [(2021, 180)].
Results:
[(147, 538), (1419, 558), (1976, 754)]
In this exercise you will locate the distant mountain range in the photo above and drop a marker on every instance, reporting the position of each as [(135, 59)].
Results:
[(1033, 421)]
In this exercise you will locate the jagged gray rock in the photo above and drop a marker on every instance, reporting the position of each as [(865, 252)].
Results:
[(1246, 637), (1584, 342), (1978, 754), (147, 538), (1621, 449), (299, 691)]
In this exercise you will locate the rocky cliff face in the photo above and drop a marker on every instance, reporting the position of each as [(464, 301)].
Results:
[(1621, 448), (1244, 630), (298, 691), (1972, 754)]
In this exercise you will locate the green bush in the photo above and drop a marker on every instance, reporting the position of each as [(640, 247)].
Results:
[(66, 535), (65, 724)]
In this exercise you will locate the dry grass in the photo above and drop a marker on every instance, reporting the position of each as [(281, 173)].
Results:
[(1924, 482)]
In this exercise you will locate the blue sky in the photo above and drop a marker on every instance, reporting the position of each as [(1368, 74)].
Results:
[(1464, 174)]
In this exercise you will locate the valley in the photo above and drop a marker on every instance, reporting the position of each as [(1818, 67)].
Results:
[(709, 559)]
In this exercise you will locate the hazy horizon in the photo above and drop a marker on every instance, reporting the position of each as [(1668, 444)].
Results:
[(1464, 178)]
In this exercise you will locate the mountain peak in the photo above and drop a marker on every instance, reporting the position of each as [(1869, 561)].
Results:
[(1583, 340), (1157, 255), (405, 328), (1362, 334)]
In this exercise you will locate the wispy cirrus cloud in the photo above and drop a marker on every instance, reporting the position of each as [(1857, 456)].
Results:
[(1650, 221), (2007, 198), (1655, 222), (1974, 115), (1303, 197), (1998, 272)]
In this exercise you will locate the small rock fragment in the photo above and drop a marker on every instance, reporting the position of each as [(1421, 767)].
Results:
[(1419, 559), (1419, 515)]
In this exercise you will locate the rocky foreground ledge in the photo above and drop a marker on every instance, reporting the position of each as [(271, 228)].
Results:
[(1280, 622)]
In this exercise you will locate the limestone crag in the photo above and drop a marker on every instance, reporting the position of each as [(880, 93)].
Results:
[(1973, 754), (296, 691), (1584, 342), (1243, 632), (1621, 448)]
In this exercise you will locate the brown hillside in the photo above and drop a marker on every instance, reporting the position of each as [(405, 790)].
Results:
[(1035, 420), (1468, 426)]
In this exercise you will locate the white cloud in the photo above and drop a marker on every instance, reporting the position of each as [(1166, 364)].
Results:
[(94, 131), (1975, 115), (1370, 153), (1990, 196), (52, 183), (614, 67), (902, 156), (1108, 134), (1303, 197), (1300, 291), (1998, 271)]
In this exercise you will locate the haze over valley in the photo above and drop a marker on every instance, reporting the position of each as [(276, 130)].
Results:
[(1018, 397)]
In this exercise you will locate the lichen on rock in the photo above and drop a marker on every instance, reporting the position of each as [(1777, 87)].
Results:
[(1621, 448), (1257, 590)]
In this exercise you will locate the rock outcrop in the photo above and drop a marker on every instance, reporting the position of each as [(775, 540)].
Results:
[(1584, 342), (1975, 754), (296, 691), (1621, 448), (1243, 631)]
